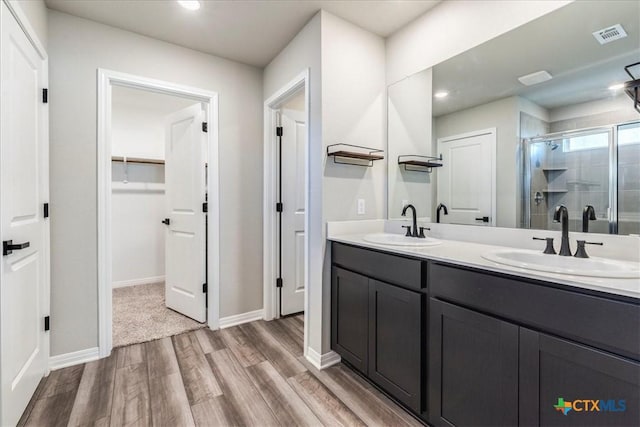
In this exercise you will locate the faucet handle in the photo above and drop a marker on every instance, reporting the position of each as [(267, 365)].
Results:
[(549, 249), (421, 235), (581, 252), (408, 227)]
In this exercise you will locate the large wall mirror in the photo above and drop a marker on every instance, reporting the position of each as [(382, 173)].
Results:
[(538, 117)]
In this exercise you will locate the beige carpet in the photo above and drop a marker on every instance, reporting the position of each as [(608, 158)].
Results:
[(139, 315)]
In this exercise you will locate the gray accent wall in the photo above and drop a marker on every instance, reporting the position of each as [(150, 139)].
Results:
[(77, 48)]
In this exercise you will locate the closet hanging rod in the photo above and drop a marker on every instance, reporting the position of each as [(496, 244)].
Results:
[(137, 160)]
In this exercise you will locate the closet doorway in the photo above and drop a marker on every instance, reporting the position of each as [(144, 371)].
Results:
[(158, 225), (145, 243)]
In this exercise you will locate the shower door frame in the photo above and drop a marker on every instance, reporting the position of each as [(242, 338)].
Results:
[(525, 166)]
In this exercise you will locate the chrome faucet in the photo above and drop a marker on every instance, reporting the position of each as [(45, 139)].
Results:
[(561, 215), (438, 209), (588, 214)]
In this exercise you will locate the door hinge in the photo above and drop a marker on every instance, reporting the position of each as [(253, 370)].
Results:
[(279, 131), (205, 127), (279, 207), (204, 288), (46, 323), (205, 207), (45, 96), (279, 282), (46, 210)]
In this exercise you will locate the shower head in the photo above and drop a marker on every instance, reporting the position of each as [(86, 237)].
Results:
[(552, 144)]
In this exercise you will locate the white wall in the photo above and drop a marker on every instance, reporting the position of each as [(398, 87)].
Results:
[(348, 104), (354, 111), (409, 133), (77, 48), (453, 27), (302, 53)]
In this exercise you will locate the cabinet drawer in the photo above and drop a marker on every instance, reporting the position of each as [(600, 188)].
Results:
[(393, 269), (601, 322)]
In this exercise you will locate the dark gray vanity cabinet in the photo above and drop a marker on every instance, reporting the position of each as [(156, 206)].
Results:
[(350, 317), (552, 368), (473, 368), (377, 319), (395, 339), (504, 350)]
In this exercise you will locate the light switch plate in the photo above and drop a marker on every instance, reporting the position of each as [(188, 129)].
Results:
[(361, 207)]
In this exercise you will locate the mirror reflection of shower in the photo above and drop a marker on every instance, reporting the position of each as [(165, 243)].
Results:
[(579, 168)]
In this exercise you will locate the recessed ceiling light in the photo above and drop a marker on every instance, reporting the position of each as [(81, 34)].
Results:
[(441, 94), (535, 78), (189, 4), (616, 86)]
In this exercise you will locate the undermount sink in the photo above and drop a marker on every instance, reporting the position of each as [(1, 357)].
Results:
[(592, 267), (400, 240)]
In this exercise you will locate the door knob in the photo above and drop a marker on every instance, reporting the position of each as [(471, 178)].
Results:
[(483, 219), (166, 221), (8, 247)]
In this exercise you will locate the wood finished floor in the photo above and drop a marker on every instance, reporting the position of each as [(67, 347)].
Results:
[(248, 375)]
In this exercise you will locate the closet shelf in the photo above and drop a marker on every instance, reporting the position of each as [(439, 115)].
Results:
[(420, 163), (137, 160), (558, 169), (354, 154)]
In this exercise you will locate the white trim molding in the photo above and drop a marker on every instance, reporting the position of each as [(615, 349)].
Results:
[(106, 79), (239, 319), (322, 361), (136, 282), (74, 358)]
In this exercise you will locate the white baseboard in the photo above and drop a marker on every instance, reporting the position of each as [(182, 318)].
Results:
[(238, 319), (322, 361), (134, 282), (74, 358)]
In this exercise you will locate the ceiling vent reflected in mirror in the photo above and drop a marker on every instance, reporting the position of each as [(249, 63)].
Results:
[(608, 35), (535, 78)]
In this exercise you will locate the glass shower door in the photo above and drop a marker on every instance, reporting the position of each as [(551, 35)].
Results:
[(570, 169)]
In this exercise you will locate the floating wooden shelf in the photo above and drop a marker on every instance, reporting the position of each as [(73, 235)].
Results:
[(420, 163), (137, 160), (354, 154)]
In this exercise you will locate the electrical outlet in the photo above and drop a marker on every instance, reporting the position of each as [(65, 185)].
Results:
[(361, 207)]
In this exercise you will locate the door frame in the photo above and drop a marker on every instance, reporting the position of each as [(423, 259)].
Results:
[(106, 79), (494, 143), (270, 193)]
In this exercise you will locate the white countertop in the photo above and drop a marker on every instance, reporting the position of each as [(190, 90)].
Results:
[(470, 254)]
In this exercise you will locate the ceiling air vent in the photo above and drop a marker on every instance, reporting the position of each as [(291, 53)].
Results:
[(607, 35)]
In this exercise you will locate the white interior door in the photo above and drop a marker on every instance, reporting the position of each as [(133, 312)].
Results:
[(294, 145), (466, 180), (185, 192), (23, 180)]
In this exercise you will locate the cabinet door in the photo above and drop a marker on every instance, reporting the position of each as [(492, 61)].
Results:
[(567, 384), (473, 368), (395, 340), (349, 317)]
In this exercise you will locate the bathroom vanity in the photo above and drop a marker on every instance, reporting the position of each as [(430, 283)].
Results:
[(459, 344)]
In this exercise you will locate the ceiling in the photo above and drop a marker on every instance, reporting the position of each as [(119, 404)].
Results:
[(248, 31), (560, 43), (157, 103)]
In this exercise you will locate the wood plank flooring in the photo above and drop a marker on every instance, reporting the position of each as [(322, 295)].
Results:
[(248, 375)]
